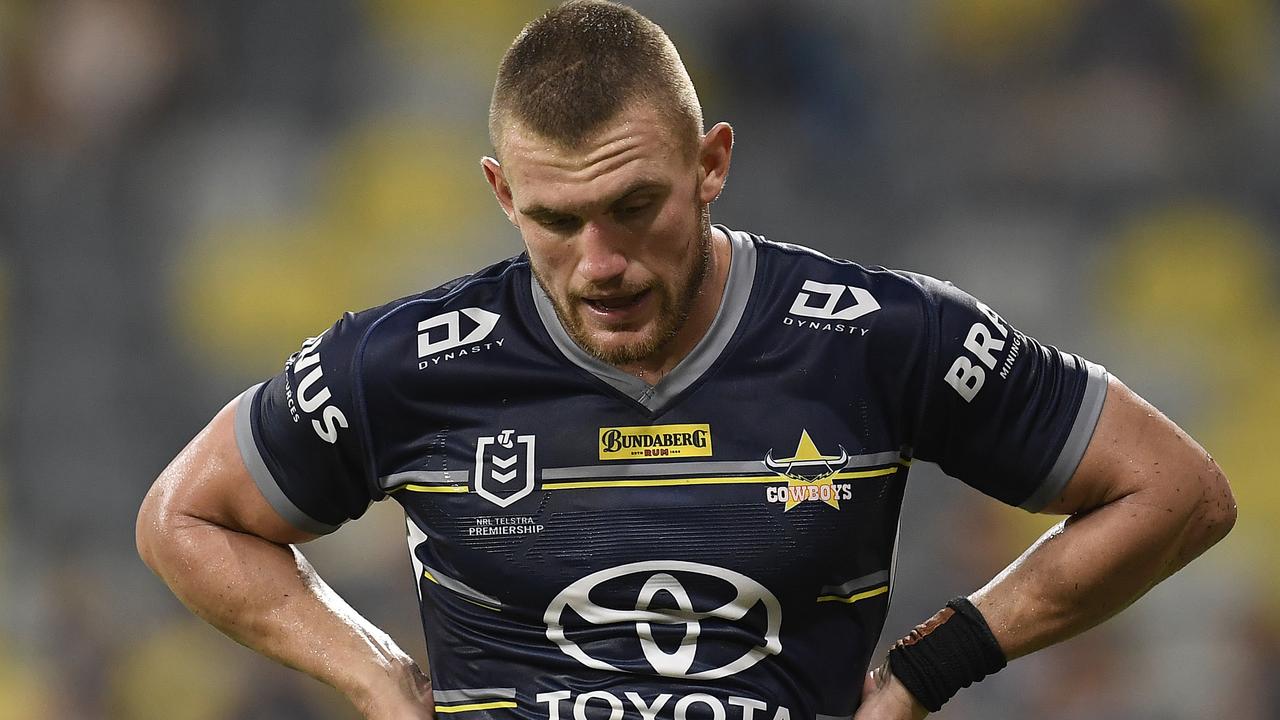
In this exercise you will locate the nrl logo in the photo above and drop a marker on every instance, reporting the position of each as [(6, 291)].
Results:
[(498, 467), (809, 473)]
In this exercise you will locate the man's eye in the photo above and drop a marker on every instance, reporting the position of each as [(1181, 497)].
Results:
[(559, 223), (633, 210)]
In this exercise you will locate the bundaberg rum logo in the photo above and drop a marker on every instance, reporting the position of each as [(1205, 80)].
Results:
[(655, 441)]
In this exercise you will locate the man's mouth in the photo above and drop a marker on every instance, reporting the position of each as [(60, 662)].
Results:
[(612, 304)]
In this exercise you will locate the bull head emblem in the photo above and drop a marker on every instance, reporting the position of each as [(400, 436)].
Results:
[(808, 473), (807, 464)]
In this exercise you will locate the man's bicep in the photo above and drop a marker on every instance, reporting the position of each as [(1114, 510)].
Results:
[(1001, 411), (208, 481), (1133, 446)]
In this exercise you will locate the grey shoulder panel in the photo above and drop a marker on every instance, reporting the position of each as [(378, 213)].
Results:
[(1095, 392), (261, 474)]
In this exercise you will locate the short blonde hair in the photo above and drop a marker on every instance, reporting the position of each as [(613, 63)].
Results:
[(575, 68)]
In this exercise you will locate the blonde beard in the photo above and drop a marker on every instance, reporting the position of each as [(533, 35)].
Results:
[(673, 311)]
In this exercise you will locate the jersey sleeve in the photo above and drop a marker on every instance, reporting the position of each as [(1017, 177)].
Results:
[(993, 407), (300, 434)]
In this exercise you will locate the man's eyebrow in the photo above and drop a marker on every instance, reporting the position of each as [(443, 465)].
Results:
[(542, 211), (642, 185), (638, 187)]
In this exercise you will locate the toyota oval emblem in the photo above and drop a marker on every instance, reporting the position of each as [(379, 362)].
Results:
[(654, 577)]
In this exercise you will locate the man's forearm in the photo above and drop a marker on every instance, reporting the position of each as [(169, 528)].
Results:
[(1093, 565), (267, 597), (1144, 501)]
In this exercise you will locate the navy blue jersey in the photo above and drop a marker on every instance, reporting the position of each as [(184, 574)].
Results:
[(716, 546)]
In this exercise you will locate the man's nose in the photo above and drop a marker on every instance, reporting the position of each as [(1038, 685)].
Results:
[(602, 257)]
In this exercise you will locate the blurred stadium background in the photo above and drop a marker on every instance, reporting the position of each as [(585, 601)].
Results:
[(189, 188)]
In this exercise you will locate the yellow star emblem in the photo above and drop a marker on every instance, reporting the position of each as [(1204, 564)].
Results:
[(808, 471)]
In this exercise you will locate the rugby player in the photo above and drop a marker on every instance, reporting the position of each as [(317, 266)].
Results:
[(652, 467)]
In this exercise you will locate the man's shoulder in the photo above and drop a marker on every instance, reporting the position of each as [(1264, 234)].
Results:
[(815, 272), (486, 288), (462, 310)]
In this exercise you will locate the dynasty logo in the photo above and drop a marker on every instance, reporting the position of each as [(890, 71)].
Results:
[(653, 441), (823, 306), (456, 334), (808, 474)]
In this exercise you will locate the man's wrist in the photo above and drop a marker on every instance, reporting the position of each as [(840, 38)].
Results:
[(952, 650), (396, 679), (884, 682)]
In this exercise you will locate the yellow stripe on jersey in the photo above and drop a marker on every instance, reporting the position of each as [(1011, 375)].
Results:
[(476, 706), (732, 480), (856, 596), (432, 488), (477, 603)]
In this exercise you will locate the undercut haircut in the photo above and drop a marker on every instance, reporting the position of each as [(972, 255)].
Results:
[(575, 68)]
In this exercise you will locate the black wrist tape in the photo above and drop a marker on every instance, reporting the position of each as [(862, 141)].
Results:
[(949, 651)]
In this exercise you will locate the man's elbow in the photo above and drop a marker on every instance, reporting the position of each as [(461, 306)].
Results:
[(148, 528), (157, 528), (1215, 512)]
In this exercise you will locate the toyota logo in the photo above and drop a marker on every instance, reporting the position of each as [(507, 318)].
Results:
[(646, 591)]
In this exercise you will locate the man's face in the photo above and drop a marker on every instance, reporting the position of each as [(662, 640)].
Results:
[(617, 230)]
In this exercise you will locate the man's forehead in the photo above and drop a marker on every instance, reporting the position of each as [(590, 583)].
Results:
[(538, 193), (546, 173), (640, 126), (528, 155)]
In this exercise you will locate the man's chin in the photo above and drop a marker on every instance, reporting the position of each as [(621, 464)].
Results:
[(619, 347)]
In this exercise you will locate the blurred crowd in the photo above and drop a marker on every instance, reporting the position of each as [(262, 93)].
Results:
[(190, 188)]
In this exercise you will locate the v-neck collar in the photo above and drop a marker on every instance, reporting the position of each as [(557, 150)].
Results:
[(737, 290)]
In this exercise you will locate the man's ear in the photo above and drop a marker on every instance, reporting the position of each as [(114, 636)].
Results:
[(714, 153), (501, 188)]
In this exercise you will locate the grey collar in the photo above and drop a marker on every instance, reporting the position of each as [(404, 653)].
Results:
[(737, 290)]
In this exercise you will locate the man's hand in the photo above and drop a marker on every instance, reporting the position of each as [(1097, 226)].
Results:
[(411, 699), (884, 697)]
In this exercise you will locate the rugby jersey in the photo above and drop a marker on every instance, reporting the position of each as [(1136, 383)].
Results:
[(718, 545)]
